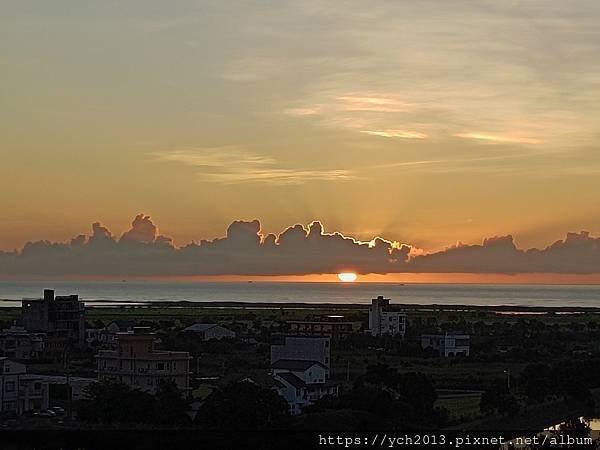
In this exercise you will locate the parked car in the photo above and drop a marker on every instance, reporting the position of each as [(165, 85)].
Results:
[(58, 410)]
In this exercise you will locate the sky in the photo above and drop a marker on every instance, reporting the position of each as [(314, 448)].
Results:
[(428, 123)]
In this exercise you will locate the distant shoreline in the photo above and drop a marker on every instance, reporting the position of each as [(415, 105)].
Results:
[(505, 309)]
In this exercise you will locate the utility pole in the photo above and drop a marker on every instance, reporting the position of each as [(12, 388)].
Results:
[(507, 372), (69, 397)]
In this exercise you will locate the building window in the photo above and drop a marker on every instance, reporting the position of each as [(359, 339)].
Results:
[(160, 366), (10, 406), (9, 386)]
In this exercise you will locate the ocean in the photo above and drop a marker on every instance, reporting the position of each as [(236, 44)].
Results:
[(130, 292)]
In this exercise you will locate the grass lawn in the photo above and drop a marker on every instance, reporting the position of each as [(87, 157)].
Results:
[(460, 409)]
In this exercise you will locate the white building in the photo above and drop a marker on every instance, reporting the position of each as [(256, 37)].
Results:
[(301, 367), (18, 343), (210, 331), (383, 320), (106, 337), (19, 391), (448, 344), (304, 348), (301, 383), (138, 364)]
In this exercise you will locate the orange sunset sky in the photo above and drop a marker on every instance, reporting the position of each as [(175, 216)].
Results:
[(445, 122)]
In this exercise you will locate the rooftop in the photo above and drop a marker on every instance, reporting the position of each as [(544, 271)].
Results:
[(295, 364), (292, 379), (200, 327)]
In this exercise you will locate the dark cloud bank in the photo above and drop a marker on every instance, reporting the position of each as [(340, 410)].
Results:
[(142, 251)]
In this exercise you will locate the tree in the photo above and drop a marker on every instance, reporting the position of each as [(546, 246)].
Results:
[(116, 403), (397, 400), (575, 388), (412, 388), (509, 406), (243, 406), (170, 407), (536, 381)]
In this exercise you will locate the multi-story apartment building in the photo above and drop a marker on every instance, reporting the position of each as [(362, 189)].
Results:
[(138, 364), (62, 318), (19, 391), (333, 326), (383, 320), (17, 343)]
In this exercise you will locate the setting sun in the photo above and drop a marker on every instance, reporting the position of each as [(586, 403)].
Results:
[(347, 277)]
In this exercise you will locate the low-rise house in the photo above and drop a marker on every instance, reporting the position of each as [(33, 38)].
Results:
[(301, 383), (17, 343), (20, 392), (209, 331), (301, 367), (138, 364), (107, 337), (92, 337), (448, 344), (120, 326)]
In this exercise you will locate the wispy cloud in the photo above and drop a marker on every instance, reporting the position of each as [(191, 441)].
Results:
[(280, 176), (308, 111), (396, 134), (371, 102), (215, 157), (347, 104), (234, 165), (500, 138)]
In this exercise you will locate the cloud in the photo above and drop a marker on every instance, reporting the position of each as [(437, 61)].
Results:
[(578, 253), (396, 134), (232, 165), (297, 250), (371, 102), (366, 112), (500, 138)]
